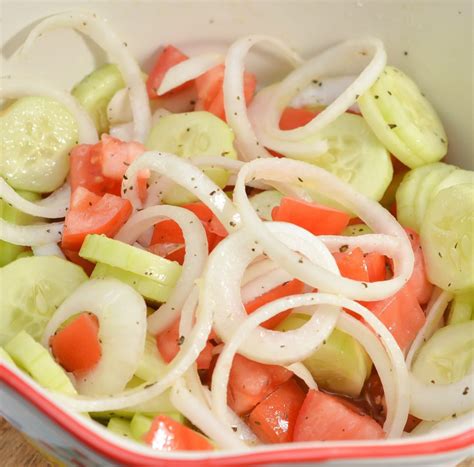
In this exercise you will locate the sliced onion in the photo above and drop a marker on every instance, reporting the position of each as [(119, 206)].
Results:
[(303, 373), (234, 102), (16, 87), (100, 32), (118, 108), (262, 285), (374, 215), (121, 312), (194, 260), (122, 131), (31, 235), (188, 70), (51, 249)]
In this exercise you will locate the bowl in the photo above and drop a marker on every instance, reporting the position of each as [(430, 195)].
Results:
[(431, 41)]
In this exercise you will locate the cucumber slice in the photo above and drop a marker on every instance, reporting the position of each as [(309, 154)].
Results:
[(96, 90), (340, 364), (140, 425), (456, 177), (9, 251), (149, 288), (417, 123), (355, 156), (416, 190), (151, 366), (447, 239), (36, 135), (447, 356), (189, 135), (264, 202), (31, 290), (101, 249), (37, 361), (357, 229), (120, 427), (5, 357), (461, 308)]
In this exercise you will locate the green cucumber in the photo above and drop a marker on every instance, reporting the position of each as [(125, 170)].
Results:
[(447, 238), (36, 135), (191, 135), (120, 427), (357, 229), (140, 425), (32, 289), (101, 249), (5, 357), (38, 362), (151, 366), (25, 254), (9, 251), (264, 202), (447, 356), (149, 288), (96, 90), (461, 308), (341, 364)]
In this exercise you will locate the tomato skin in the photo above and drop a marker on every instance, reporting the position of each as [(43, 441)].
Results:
[(317, 219), (167, 434), (273, 420), (166, 59), (76, 347), (250, 382), (324, 417), (292, 287), (89, 213)]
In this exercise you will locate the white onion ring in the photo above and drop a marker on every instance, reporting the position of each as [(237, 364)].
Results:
[(378, 219), (15, 87), (122, 131), (50, 249), (303, 373), (121, 312), (31, 235), (188, 70), (194, 260), (234, 102), (100, 32), (264, 284)]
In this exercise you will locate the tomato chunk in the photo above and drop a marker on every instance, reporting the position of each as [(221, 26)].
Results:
[(250, 382), (292, 118), (76, 347), (92, 214), (73, 256), (356, 265), (168, 58), (167, 434), (273, 420), (327, 418), (289, 288), (319, 220)]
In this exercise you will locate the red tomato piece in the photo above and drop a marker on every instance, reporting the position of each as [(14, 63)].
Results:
[(166, 59), (376, 266), (92, 214), (76, 347), (319, 220), (167, 434), (354, 264), (74, 257), (273, 420), (250, 382), (292, 118), (289, 288), (327, 418)]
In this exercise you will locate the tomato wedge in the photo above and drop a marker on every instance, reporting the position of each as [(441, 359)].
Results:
[(167, 434), (76, 347), (273, 420), (327, 418), (92, 214), (319, 220), (292, 287), (166, 59)]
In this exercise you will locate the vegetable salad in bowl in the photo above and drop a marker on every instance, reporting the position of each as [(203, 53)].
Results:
[(199, 260)]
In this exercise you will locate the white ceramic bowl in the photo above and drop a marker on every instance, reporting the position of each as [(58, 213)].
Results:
[(430, 40)]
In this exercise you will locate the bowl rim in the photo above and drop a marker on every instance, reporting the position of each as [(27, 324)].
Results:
[(121, 454)]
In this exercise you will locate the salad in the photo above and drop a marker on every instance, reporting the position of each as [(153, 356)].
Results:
[(199, 260)]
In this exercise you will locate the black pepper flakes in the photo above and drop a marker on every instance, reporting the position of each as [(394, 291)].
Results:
[(300, 179), (466, 390), (181, 340), (376, 96), (343, 248), (392, 125), (389, 93), (405, 53), (365, 285)]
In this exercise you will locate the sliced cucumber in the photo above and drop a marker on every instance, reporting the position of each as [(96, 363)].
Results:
[(151, 366), (357, 229), (461, 308), (190, 135), (140, 425), (36, 134), (447, 356), (5, 357), (447, 238), (264, 202), (100, 249), (340, 364), (31, 290), (456, 177), (149, 288), (120, 427), (9, 251), (96, 90), (389, 196), (416, 191), (38, 362)]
